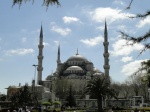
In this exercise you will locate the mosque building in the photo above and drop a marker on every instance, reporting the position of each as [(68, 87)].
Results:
[(76, 71)]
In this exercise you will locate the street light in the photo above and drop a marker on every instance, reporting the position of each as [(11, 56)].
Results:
[(35, 72), (33, 85)]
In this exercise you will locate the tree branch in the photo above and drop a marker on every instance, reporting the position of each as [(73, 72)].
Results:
[(45, 2), (141, 39)]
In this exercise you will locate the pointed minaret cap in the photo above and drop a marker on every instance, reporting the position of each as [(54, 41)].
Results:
[(58, 55), (41, 31), (59, 51), (105, 31)]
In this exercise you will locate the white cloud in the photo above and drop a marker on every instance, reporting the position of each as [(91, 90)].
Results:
[(131, 67), (121, 27), (70, 19), (119, 2), (45, 44), (126, 59), (23, 39), (120, 48), (92, 41), (143, 22), (61, 31), (99, 14), (101, 28), (19, 51), (56, 43)]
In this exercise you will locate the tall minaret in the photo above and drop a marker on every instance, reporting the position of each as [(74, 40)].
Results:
[(58, 56), (106, 53), (40, 57)]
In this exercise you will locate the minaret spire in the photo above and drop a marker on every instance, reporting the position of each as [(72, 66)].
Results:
[(40, 57), (106, 53), (41, 32), (105, 32), (58, 55)]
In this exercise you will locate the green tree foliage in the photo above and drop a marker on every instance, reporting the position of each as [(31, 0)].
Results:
[(99, 88), (61, 88), (3, 97), (145, 67), (70, 99), (21, 98)]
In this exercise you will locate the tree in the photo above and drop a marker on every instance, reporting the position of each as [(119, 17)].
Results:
[(3, 97), (144, 39), (70, 99), (117, 88), (99, 88), (21, 98), (126, 89), (135, 83), (61, 87), (46, 104), (45, 2)]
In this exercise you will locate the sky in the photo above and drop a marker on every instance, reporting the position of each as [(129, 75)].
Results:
[(76, 24)]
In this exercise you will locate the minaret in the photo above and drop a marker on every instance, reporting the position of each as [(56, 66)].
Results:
[(40, 57), (106, 53), (58, 55)]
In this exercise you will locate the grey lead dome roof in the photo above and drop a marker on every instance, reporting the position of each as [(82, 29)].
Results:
[(74, 68), (97, 70), (77, 57)]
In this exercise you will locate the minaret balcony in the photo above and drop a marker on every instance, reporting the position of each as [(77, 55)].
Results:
[(40, 68), (106, 67), (105, 43), (40, 57), (106, 54), (40, 46)]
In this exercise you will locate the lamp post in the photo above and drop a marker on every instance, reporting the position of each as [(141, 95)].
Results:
[(33, 86), (35, 73)]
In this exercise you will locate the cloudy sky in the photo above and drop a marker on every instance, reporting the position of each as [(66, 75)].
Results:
[(75, 24)]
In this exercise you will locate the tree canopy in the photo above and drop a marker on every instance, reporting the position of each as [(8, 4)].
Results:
[(143, 39), (99, 88), (22, 98)]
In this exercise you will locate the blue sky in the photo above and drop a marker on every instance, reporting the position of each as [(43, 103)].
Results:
[(75, 24)]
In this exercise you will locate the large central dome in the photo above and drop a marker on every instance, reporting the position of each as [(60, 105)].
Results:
[(77, 57)]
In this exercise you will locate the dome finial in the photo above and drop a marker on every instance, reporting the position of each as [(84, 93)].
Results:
[(77, 52)]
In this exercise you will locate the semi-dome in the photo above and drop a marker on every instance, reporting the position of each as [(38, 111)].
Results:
[(97, 74), (76, 68)]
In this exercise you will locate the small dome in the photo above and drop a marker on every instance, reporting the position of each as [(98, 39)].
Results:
[(49, 77), (74, 68), (97, 70)]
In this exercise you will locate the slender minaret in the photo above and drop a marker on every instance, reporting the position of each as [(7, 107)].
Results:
[(40, 57), (58, 55), (106, 53)]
